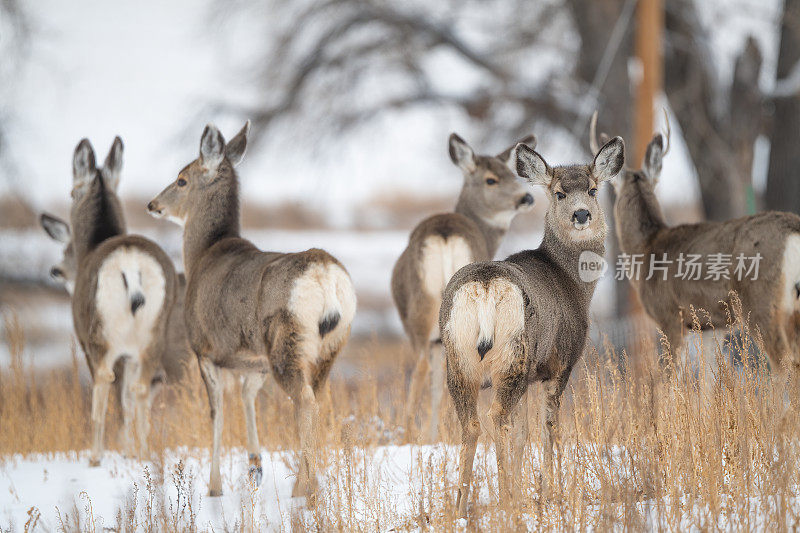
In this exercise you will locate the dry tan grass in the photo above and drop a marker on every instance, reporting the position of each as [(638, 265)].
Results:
[(638, 450)]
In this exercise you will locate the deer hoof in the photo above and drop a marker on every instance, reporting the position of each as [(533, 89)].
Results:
[(254, 472), (94, 462)]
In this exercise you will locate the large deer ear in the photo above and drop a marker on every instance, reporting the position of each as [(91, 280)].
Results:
[(55, 227), (212, 147), (461, 153), (113, 164), (235, 148), (505, 155), (531, 166), (83, 164), (609, 160), (653, 158)]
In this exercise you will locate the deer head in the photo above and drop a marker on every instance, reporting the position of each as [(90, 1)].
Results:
[(65, 271), (216, 159), (636, 209), (574, 212), (491, 189)]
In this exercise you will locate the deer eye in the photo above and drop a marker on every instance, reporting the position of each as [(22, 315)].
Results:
[(181, 182), (560, 195), (491, 181), (592, 191)]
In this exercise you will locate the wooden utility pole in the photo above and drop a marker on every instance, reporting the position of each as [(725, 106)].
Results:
[(649, 36)]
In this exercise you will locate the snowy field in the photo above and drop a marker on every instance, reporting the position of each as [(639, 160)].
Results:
[(64, 489), (387, 489)]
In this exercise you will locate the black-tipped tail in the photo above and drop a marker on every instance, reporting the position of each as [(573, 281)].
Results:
[(137, 300), (484, 345), (329, 323)]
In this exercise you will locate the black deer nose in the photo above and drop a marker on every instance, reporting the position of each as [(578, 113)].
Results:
[(581, 215), (526, 200), (151, 206), (56, 272)]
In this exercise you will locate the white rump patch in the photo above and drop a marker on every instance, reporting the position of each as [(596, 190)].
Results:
[(790, 271), (441, 258), (322, 290), (495, 313), (129, 273)]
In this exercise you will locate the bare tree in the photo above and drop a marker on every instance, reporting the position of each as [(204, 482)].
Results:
[(325, 62), (719, 122), (15, 30), (783, 180)]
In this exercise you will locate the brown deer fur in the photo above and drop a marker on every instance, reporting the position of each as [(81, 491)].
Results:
[(251, 311), (490, 197), (770, 301), (123, 294), (175, 357), (526, 318)]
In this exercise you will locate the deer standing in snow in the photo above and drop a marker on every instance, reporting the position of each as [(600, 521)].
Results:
[(175, 356), (491, 196), (250, 311), (770, 241), (525, 319), (124, 290)]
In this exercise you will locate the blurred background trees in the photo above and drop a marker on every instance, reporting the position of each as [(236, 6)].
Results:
[(15, 33), (543, 67), (539, 66)]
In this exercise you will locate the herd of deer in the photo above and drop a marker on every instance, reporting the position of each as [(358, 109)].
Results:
[(499, 324)]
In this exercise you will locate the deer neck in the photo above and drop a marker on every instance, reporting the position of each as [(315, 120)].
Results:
[(95, 217), (565, 254), (638, 219), (215, 216), (493, 235)]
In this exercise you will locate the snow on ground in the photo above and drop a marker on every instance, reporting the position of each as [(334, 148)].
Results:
[(381, 488), (61, 485)]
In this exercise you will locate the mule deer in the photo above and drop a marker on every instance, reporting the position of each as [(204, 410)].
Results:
[(772, 237), (253, 311), (175, 357), (490, 198), (525, 319), (123, 292)]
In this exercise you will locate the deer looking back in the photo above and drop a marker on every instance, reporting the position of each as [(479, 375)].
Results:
[(525, 319), (123, 294), (490, 197), (770, 297), (251, 311)]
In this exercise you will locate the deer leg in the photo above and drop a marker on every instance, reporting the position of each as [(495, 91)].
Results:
[(306, 413), (143, 403), (552, 402), (508, 391), (128, 404), (252, 384), (214, 388), (437, 386), (103, 377), (520, 439), (415, 391), (465, 400)]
